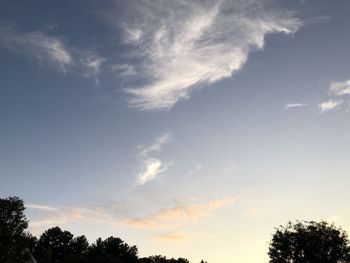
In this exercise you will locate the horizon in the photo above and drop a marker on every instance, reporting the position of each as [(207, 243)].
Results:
[(190, 129)]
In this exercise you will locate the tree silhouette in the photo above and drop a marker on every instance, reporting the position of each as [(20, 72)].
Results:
[(15, 243), (309, 242), (162, 259), (182, 260), (117, 248), (158, 259), (113, 249), (79, 245), (96, 249), (53, 245)]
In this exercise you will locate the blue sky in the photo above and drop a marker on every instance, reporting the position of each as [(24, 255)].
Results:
[(188, 128)]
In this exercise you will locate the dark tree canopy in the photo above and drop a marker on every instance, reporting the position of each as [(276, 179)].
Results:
[(162, 259), (14, 241), (53, 245), (113, 248), (309, 242), (79, 245)]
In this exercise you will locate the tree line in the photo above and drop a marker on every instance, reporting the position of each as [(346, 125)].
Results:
[(300, 242)]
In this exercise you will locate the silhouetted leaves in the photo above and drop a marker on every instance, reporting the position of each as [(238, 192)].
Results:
[(79, 245), (113, 249), (162, 259), (53, 245), (309, 242), (15, 243)]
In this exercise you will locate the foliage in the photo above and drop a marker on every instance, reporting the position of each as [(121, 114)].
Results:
[(309, 242), (79, 245), (54, 245), (162, 259), (14, 241), (113, 248)]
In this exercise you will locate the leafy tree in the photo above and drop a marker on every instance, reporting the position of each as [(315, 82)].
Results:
[(162, 259), (182, 260), (15, 242), (112, 249), (53, 245), (117, 248), (96, 249), (79, 245), (309, 242), (158, 259), (145, 260)]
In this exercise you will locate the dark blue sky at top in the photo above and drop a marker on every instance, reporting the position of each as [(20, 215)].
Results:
[(48, 119)]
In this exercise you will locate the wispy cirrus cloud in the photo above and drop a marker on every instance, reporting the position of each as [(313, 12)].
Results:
[(123, 69), (295, 105), (48, 49), (152, 167), (183, 45), (179, 215), (157, 145), (330, 105), (92, 66), (42, 47), (41, 207), (172, 236)]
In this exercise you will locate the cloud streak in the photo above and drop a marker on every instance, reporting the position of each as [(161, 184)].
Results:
[(179, 215), (172, 236), (44, 48), (153, 166), (92, 66), (183, 45), (295, 105), (41, 207), (51, 50)]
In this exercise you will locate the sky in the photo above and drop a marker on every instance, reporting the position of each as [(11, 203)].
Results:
[(188, 128)]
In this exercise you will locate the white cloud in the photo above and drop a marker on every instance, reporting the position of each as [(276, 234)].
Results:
[(92, 65), (132, 35), (50, 50), (123, 69), (340, 88), (330, 105), (157, 145), (152, 167), (41, 207), (185, 44), (44, 48), (295, 105)]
